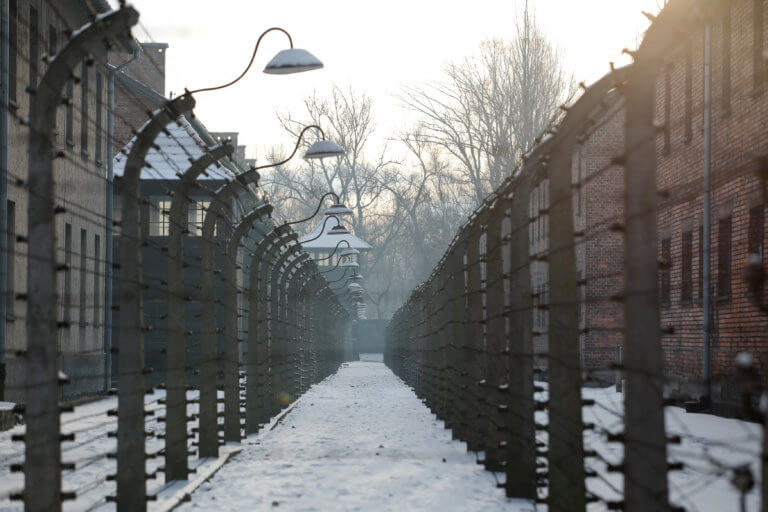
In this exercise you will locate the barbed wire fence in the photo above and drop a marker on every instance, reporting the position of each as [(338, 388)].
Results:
[(250, 323), (469, 339)]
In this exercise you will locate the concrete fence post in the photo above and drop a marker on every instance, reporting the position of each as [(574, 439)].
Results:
[(131, 472), (209, 356), (567, 490), (257, 369), (518, 307), (42, 464), (645, 453), (231, 363), (176, 467)]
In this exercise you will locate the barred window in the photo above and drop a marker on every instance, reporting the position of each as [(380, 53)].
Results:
[(84, 110), (664, 271), (96, 281), (34, 46), (10, 266), (83, 277), (13, 49), (99, 114), (688, 93), (667, 108), (70, 120), (67, 272), (724, 229), (701, 263), (196, 217), (159, 208), (686, 256), (758, 64), (727, 59), (756, 232)]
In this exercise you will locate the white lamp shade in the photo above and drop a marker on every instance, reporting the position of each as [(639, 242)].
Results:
[(338, 209), (349, 264), (324, 149), (338, 230), (349, 252), (292, 60)]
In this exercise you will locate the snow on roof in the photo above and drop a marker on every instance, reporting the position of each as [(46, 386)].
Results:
[(173, 156), (326, 241)]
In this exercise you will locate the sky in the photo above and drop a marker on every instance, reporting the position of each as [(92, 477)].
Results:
[(374, 47)]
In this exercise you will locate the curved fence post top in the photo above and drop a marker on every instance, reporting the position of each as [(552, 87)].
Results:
[(169, 112)]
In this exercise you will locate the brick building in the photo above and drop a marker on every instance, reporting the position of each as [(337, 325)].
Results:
[(38, 28), (737, 42)]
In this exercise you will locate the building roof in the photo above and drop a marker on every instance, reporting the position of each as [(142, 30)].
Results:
[(172, 154), (326, 241)]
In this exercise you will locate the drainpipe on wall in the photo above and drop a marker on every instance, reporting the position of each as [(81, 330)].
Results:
[(706, 294), (4, 54), (108, 242)]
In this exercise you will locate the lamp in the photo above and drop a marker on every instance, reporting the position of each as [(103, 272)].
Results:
[(288, 61)]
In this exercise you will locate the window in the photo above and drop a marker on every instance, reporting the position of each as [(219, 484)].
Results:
[(688, 92), (10, 267), (756, 233), (686, 255), (667, 108), (69, 128), (84, 109), (52, 41), (758, 66), (701, 263), (67, 271), (99, 108), (196, 217), (727, 59), (13, 49), (83, 253), (665, 268), (97, 270), (724, 228), (34, 46), (159, 208)]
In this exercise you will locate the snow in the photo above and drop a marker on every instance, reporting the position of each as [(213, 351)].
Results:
[(171, 154), (359, 440), (323, 149), (7, 406), (90, 424), (328, 241), (292, 60)]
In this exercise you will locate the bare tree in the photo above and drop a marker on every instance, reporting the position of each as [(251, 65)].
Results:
[(491, 107)]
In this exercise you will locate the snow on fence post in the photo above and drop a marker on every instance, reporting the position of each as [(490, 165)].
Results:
[(518, 304), (131, 471), (176, 467), (566, 439), (290, 299), (645, 454), (42, 462)]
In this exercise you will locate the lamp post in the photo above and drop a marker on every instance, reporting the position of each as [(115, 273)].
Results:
[(288, 61)]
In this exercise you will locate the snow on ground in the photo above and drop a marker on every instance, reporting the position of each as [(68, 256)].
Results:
[(710, 448), (359, 440), (89, 451)]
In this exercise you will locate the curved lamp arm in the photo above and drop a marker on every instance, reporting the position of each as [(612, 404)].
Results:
[(322, 230), (295, 149), (334, 250), (253, 57), (320, 205)]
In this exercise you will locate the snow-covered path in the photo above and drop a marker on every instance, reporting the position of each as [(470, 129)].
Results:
[(360, 440)]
